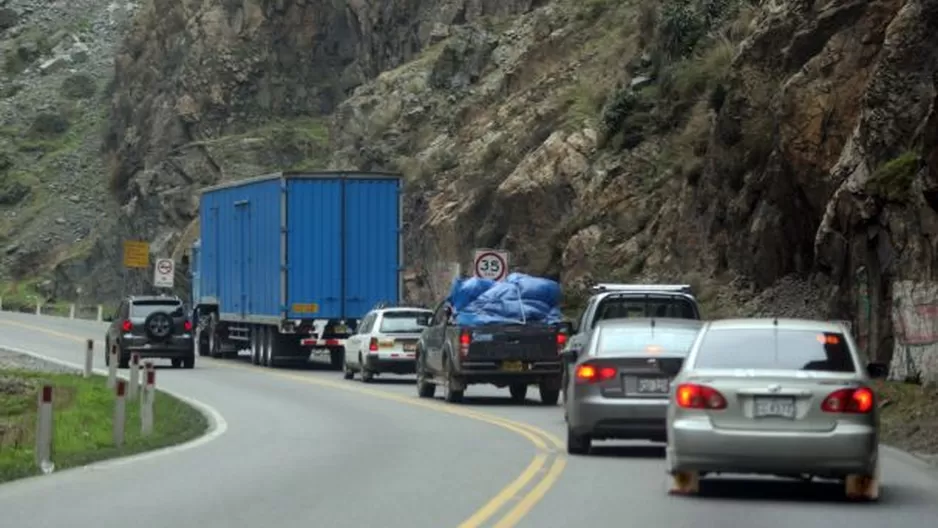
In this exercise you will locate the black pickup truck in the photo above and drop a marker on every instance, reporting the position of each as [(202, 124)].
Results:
[(511, 355)]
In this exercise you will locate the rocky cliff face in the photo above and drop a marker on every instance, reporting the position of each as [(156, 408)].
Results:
[(780, 155)]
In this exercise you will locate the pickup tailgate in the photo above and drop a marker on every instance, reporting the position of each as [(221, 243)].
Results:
[(511, 342)]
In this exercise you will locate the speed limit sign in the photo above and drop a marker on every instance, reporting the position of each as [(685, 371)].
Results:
[(490, 264)]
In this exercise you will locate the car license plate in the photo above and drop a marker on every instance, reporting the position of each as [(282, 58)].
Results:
[(653, 385), (340, 329), (777, 407), (410, 347), (512, 366)]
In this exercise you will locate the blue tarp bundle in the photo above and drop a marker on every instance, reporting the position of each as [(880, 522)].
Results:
[(519, 298)]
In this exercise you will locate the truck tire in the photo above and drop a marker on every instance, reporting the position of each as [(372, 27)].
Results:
[(450, 394), (202, 342), (337, 358), (123, 359), (549, 396), (518, 392), (425, 389)]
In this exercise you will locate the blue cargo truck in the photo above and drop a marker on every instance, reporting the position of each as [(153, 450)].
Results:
[(288, 263)]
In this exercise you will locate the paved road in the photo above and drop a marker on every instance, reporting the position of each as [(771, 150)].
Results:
[(306, 447)]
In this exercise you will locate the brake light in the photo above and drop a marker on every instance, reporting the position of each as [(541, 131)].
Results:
[(693, 396), (594, 373), (373, 345), (561, 340), (858, 401), (127, 326), (187, 326), (465, 339)]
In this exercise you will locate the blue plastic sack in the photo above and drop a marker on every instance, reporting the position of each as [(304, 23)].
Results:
[(519, 298)]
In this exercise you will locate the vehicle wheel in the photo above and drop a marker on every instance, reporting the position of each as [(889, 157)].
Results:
[(257, 344), (549, 396), (189, 362), (578, 444), (347, 371), (450, 394), (363, 373), (518, 392), (177, 363), (107, 353), (425, 389), (123, 360), (337, 358)]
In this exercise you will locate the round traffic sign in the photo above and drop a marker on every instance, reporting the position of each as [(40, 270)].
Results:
[(490, 265), (165, 267)]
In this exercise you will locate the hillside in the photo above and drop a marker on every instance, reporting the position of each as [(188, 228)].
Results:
[(779, 155)]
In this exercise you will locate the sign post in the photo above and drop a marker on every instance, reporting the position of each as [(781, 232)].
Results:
[(164, 273), (490, 264)]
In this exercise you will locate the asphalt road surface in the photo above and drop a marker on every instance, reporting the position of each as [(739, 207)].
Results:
[(303, 447)]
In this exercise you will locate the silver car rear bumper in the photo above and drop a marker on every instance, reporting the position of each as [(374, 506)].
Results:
[(623, 418), (694, 445)]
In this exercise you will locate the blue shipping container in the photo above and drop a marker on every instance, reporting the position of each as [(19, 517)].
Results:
[(301, 245)]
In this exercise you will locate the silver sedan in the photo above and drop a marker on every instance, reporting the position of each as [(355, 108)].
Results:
[(783, 397), (619, 386)]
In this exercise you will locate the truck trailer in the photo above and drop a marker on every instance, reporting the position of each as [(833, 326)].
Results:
[(287, 264)]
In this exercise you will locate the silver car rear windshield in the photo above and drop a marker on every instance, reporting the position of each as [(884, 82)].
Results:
[(632, 340), (756, 349), (402, 322)]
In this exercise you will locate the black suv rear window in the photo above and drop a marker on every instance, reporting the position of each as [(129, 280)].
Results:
[(145, 308), (633, 307), (403, 322), (757, 349)]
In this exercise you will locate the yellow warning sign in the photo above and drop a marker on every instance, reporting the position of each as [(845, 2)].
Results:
[(306, 308), (136, 254)]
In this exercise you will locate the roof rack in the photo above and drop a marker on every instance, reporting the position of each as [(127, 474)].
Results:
[(610, 286)]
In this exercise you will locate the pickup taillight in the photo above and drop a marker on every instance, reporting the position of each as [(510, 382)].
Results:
[(465, 339)]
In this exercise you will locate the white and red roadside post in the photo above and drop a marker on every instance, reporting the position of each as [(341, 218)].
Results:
[(134, 376), (44, 430), (112, 367), (89, 357), (146, 401), (120, 409)]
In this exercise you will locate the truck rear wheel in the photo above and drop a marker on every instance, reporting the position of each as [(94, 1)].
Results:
[(451, 394), (549, 396), (518, 392), (337, 358)]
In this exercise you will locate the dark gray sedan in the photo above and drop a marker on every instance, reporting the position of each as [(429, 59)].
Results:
[(619, 387)]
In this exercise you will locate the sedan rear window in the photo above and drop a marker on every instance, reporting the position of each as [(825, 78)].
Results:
[(641, 307), (758, 349), (403, 322), (615, 341), (145, 308)]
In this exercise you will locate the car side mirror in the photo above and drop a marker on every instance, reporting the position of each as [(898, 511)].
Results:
[(570, 355), (877, 370)]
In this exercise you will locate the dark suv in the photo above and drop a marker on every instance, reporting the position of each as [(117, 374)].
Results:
[(154, 327)]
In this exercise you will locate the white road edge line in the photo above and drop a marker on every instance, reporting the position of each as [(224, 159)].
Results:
[(217, 424)]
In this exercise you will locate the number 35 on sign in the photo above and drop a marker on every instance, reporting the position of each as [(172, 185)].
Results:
[(490, 264)]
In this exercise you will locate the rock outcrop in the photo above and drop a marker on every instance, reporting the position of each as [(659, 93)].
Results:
[(780, 154)]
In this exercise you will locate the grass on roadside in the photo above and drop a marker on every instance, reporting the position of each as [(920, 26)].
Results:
[(83, 412)]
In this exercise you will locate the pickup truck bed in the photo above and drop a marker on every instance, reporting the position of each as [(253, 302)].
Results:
[(504, 355)]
